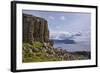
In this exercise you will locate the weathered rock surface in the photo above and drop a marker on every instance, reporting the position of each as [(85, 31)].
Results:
[(35, 29)]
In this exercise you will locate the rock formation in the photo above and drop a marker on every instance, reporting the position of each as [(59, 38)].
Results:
[(35, 29)]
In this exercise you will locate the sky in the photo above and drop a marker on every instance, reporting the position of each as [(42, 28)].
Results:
[(72, 25)]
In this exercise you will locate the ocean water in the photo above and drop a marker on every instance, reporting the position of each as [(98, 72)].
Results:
[(78, 46)]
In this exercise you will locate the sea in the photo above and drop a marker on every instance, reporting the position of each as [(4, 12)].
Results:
[(78, 46)]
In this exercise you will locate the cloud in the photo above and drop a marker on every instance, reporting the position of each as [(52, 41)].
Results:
[(57, 27), (60, 35), (62, 18), (51, 17), (64, 35)]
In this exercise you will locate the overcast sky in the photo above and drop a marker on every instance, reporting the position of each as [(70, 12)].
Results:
[(68, 23)]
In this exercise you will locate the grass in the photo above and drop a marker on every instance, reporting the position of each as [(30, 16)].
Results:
[(40, 56), (36, 52), (37, 45)]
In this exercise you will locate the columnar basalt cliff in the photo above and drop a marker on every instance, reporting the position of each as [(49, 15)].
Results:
[(35, 29)]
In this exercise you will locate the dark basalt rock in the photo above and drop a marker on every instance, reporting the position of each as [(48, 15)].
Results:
[(35, 29)]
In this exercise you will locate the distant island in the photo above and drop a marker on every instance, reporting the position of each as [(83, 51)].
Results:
[(37, 47), (65, 41)]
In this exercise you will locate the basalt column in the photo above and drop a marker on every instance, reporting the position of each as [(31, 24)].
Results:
[(35, 29)]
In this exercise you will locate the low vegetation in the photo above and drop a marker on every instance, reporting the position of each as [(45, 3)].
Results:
[(38, 52)]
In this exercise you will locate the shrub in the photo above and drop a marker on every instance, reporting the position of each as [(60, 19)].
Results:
[(37, 45), (26, 46)]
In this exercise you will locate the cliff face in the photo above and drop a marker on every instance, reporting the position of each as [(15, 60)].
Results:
[(34, 29)]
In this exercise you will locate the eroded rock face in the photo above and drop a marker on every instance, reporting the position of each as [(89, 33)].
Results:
[(35, 29)]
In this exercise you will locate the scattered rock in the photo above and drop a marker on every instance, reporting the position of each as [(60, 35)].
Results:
[(35, 49)]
